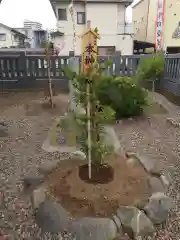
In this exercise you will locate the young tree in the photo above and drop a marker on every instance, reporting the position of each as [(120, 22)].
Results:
[(150, 69), (50, 50), (99, 115)]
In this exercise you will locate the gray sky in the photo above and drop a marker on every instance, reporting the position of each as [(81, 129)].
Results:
[(13, 12)]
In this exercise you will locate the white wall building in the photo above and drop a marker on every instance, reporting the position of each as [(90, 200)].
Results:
[(36, 35), (107, 15), (32, 25), (10, 37)]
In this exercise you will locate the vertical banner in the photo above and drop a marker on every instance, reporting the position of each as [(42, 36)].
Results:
[(72, 12), (89, 49), (159, 25)]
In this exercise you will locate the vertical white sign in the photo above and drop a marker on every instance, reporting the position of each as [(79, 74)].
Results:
[(159, 25), (72, 12)]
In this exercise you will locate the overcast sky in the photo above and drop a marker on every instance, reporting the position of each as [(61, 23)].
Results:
[(13, 12)]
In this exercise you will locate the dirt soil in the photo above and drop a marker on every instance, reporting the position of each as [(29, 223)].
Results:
[(84, 199), (102, 174), (31, 104)]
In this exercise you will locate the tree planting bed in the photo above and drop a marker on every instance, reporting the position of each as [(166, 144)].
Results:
[(127, 184)]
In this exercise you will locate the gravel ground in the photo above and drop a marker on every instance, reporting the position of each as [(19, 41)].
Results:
[(155, 137), (21, 153)]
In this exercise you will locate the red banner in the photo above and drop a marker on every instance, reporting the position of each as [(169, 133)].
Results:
[(159, 24)]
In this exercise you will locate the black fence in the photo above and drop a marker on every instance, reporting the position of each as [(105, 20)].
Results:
[(24, 70), (21, 71)]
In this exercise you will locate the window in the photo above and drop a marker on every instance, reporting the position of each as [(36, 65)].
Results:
[(81, 18), (106, 51), (16, 38), (2, 37), (26, 32), (62, 14)]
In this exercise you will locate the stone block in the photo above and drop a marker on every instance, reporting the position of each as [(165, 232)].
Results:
[(52, 217), (94, 228), (32, 181), (118, 224), (147, 163), (158, 207), (155, 185), (166, 179), (3, 131), (135, 222), (47, 167), (130, 154), (38, 197), (111, 139)]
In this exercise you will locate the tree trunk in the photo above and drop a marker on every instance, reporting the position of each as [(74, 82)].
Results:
[(50, 84), (153, 85)]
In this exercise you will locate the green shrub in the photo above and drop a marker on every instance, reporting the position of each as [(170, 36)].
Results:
[(122, 94), (150, 69)]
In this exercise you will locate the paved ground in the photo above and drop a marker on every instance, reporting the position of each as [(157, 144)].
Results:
[(21, 153)]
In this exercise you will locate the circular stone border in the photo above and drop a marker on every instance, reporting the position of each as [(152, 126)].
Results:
[(137, 220)]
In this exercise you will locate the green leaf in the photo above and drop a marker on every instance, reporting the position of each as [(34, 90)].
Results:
[(99, 114), (69, 73)]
